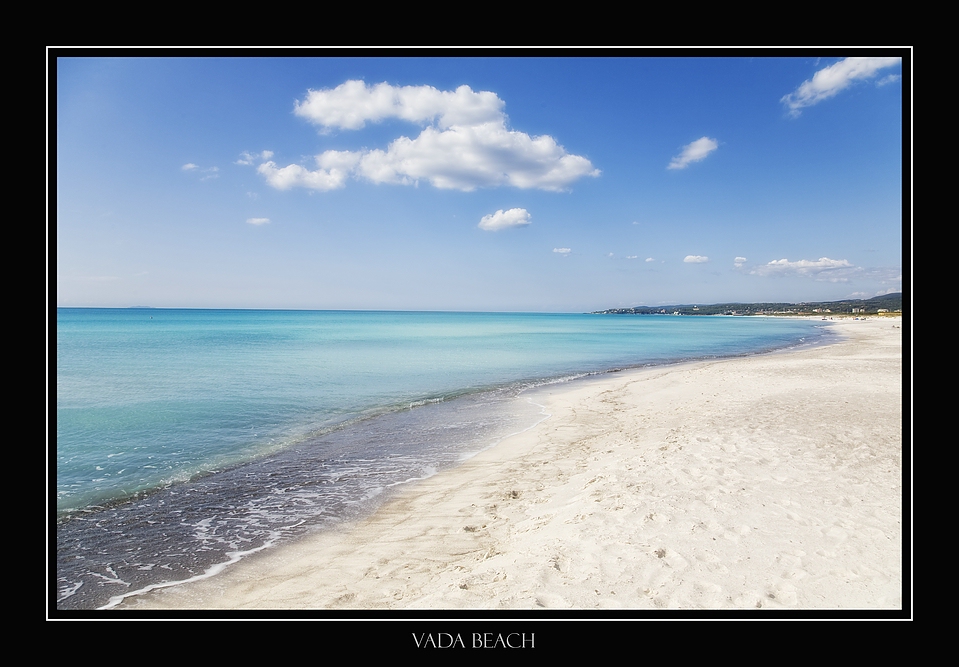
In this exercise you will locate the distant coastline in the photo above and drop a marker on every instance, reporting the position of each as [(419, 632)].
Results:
[(880, 305)]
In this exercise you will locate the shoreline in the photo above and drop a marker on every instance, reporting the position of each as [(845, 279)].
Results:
[(764, 481)]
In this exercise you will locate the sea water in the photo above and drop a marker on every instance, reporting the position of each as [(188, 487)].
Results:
[(186, 439)]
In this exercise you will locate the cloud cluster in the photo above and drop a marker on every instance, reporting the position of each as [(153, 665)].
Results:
[(515, 217), (694, 152), (466, 144), (738, 262), (829, 81), (562, 251), (832, 270), (695, 259)]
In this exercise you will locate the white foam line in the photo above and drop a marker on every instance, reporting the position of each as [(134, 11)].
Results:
[(235, 556), (114, 580), (69, 592)]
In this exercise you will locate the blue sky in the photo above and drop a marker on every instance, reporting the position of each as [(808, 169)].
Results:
[(499, 184)]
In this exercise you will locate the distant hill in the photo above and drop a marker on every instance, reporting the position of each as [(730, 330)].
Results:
[(888, 302)]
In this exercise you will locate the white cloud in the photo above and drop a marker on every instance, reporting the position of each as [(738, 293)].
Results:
[(650, 259), (465, 158), (832, 270), (296, 176), (334, 168), (831, 80), (258, 221), (632, 256), (694, 152), (189, 166), (738, 262), (467, 146), (351, 104), (515, 217), (339, 161), (562, 251), (695, 259), (247, 157)]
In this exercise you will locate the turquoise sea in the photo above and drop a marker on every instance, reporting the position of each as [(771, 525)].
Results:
[(186, 439)]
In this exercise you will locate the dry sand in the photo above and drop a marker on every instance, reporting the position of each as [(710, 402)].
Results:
[(772, 481)]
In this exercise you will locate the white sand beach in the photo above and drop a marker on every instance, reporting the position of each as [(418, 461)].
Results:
[(773, 481)]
